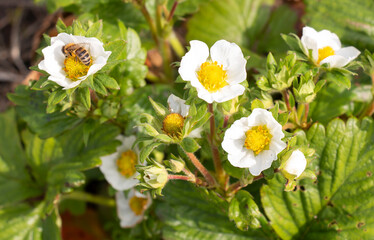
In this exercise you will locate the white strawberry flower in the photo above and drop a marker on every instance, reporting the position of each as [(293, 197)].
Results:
[(174, 121), (119, 168), (69, 72), (326, 48), (254, 142), (216, 74), (130, 208), (296, 163)]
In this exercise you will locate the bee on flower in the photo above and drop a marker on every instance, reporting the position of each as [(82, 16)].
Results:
[(119, 168), (216, 73), (131, 208), (254, 142), (326, 48), (71, 59)]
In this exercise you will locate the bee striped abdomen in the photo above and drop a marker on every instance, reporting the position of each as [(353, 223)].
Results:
[(83, 56)]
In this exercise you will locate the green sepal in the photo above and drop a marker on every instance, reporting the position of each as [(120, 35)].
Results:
[(151, 131), (257, 104), (189, 145), (160, 110), (61, 27)]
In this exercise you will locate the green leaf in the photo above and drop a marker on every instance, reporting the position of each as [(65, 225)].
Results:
[(31, 107), (339, 204), (117, 48), (60, 26), (146, 150), (85, 97), (352, 21), (252, 24), (192, 213), (13, 226), (15, 180), (98, 87), (333, 101), (339, 78), (190, 145), (107, 81), (56, 97), (95, 30), (244, 211)]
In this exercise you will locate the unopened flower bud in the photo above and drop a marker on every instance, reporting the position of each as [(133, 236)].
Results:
[(176, 166), (156, 176), (295, 165)]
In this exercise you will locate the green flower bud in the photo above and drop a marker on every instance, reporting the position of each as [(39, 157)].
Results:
[(176, 165), (155, 176)]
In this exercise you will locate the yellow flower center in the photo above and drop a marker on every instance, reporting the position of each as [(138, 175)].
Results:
[(212, 76), (138, 205), (257, 139), (74, 68), (173, 124), (126, 163), (324, 53)]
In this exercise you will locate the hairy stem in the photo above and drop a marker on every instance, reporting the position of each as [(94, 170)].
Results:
[(180, 177), (286, 99), (208, 177), (87, 197), (216, 158)]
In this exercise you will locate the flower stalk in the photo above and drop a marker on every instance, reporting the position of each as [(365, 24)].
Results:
[(208, 177), (221, 175), (87, 197)]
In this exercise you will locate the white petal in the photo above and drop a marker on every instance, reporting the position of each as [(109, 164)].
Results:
[(296, 163), (64, 37), (327, 38), (228, 92), (53, 62), (335, 61), (349, 53), (110, 170), (191, 62), (263, 161), (245, 160), (177, 105), (204, 94), (196, 133), (233, 146), (98, 64), (124, 212), (231, 57)]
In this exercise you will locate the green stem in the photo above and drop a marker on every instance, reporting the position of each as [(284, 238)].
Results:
[(176, 44), (221, 175), (305, 117), (149, 20), (87, 197)]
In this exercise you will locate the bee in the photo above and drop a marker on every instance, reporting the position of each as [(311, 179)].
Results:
[(79, 51)]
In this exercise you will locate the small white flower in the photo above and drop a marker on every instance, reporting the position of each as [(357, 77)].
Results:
[(131, 209), (254, 142), (119, 168), (326, 48), (54, 58), (295, 164), (217, 74), (178, 106)]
